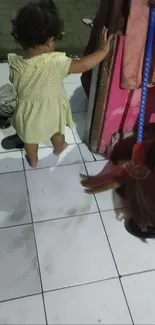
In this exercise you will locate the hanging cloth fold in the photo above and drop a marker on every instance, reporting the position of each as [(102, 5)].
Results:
[(134, 47), (8, 100)]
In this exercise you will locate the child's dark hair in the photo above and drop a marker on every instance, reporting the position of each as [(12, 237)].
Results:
[(36, 23)]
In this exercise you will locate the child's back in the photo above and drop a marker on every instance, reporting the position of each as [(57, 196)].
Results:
[(43, 106), (43, 109)]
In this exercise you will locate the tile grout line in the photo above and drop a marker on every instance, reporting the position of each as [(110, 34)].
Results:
[(59, 289), (21, 150), (24, 170), (75, 286), (57, 219), (80, 285), (35, 242), (11, 151), (47, 167), (116, 266), (41, 168), (58, 166), (50, 220), (21, 297), (73, 133), (72, 286), (85, 162), (104, 228), (137, 273)]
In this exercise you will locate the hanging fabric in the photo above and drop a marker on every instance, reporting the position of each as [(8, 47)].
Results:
[(122, 108), (115, 24), (102, 95), (134, 47)]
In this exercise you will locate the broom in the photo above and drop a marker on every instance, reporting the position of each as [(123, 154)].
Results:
[(137, 179)]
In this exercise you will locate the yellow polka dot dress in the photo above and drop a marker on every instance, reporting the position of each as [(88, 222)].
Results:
[(43, 108)]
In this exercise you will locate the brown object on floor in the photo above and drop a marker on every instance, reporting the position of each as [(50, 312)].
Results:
[(136, 231), (139, 190), (141, 196), (120, 147), (121, 152)]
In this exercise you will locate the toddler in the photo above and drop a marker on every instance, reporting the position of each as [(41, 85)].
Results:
[(43, 108)]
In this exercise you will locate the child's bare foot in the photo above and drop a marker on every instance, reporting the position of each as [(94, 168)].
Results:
[(57, 152), (31, 163)]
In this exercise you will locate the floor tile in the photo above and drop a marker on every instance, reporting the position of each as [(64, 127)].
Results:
[(86, 154), (19, 274), (69, 136), (57, 192), (73, 248), (73, 78), (11, 162), (79, 128), (98, 157), (47, 159), (107, 200), (77, 97), (139, 290), (97, 303), (131, 254), (25, 311), (45, 144), (73, 251), (14, 205)]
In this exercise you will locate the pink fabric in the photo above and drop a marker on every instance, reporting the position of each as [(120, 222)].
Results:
[(134, 47), (122, 107), (119, 104)]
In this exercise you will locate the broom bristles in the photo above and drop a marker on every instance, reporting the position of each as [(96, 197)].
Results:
[(102, 182), (99, 189), (141, 200)]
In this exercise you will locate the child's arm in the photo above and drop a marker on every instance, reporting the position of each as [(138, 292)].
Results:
[(90, 61), (87, 62)]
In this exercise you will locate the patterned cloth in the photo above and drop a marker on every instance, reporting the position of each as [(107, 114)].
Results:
[(8, 100), (43, 108), (134, 46)]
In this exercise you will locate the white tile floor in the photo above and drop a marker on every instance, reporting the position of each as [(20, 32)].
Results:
[(65, 258)]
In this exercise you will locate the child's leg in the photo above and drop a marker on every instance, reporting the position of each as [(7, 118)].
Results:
[(59, 144), (31, 154)]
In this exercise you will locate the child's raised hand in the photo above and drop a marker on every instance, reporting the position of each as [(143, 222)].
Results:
[(105, 41), (88, 62)]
